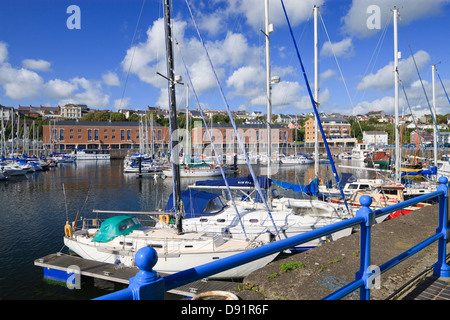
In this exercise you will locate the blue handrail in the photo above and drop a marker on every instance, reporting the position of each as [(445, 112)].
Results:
[(147, 284)]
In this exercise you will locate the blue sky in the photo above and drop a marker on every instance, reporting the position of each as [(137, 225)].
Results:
[(43, 62)]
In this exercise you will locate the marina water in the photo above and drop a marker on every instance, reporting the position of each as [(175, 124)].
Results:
[(35, 208)]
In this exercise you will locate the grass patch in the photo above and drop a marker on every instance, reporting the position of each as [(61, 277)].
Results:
[(288, 266)]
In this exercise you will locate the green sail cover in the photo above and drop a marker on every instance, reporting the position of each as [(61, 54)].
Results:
[(116, 226)]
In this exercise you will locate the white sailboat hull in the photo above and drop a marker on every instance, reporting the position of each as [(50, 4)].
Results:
[(173, 255)]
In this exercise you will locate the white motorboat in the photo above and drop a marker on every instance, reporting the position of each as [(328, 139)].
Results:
[(296, 159), (15, 169), (360, 152), (90, 155), (196, 170)]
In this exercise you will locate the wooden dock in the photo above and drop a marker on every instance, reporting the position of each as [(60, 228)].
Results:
[(116, 273)]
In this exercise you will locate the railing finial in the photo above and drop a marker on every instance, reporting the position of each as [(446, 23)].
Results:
[(443, 180), (365, 201), (147, 284)]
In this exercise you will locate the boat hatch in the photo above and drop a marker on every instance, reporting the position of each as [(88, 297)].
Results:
[(116, 226)]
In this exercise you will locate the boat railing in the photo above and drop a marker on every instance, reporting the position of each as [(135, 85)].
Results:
[(147, 284)]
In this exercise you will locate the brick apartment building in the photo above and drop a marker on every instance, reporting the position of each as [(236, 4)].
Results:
[(253, 135), (337, 132), (94, 135)]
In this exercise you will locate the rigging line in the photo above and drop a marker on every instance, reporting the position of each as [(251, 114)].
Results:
[(420, 78), (335, 58), (414, 120), (138, 27), (314, 103), (442, 84), (233, 123), (377, 50), (212, 142)]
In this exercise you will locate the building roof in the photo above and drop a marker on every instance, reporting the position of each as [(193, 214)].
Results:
[(74, 123)]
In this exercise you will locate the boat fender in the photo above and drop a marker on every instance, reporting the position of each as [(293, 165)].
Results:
[(68, 230), (164, 218)]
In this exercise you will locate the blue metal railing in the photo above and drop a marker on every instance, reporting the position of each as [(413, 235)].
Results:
[(147, 284)]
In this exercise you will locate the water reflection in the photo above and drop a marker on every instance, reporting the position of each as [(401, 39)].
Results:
[(34, 209)]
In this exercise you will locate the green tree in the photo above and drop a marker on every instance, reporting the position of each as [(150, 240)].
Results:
[(117, 116)]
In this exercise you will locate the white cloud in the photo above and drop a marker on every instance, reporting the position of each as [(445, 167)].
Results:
[(38, 65), (59, 89), (3, 52), (298, 11), (355, 22), (416, 99), (343, 48), (149, 56), (383, 79), (327, 74), (111, 79), (91, 95), (19, 83), (124, 103)]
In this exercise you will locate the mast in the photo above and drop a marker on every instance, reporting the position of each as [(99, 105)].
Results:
[(268, 29), (433, 68), (397, 134), (173, 117), (316, 93)]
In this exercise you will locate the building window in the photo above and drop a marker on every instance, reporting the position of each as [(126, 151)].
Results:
[(159, 135), (96, 134), (113, 137), (79, 137), (61, 134), (128, 134), (122, 135), (89, 134)]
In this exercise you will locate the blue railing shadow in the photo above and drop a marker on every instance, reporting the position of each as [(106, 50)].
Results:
[(147, 284)]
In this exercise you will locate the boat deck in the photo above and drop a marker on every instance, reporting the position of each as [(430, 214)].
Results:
[(114, 273)]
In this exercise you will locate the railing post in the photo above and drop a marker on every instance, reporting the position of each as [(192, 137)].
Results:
[(441, 268), (147, 284), (364, 272)]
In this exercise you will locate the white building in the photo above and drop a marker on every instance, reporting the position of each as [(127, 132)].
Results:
[(6, 113), (375, 137), (71, 111)]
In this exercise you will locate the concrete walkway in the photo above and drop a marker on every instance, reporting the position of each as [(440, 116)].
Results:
[(314, 274)]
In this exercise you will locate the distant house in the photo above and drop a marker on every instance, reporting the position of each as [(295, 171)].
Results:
[(294, 125), (6, 113), (73, 111), (30, 111), (282, 118), (376, 114), (375, 137), (421, 136)]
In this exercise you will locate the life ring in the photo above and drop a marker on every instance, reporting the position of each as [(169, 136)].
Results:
[(68, 230), (164, 218), (221, 295)]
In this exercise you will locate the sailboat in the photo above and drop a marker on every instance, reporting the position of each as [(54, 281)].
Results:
[(286, 216), (118, 238), (210, 212)]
